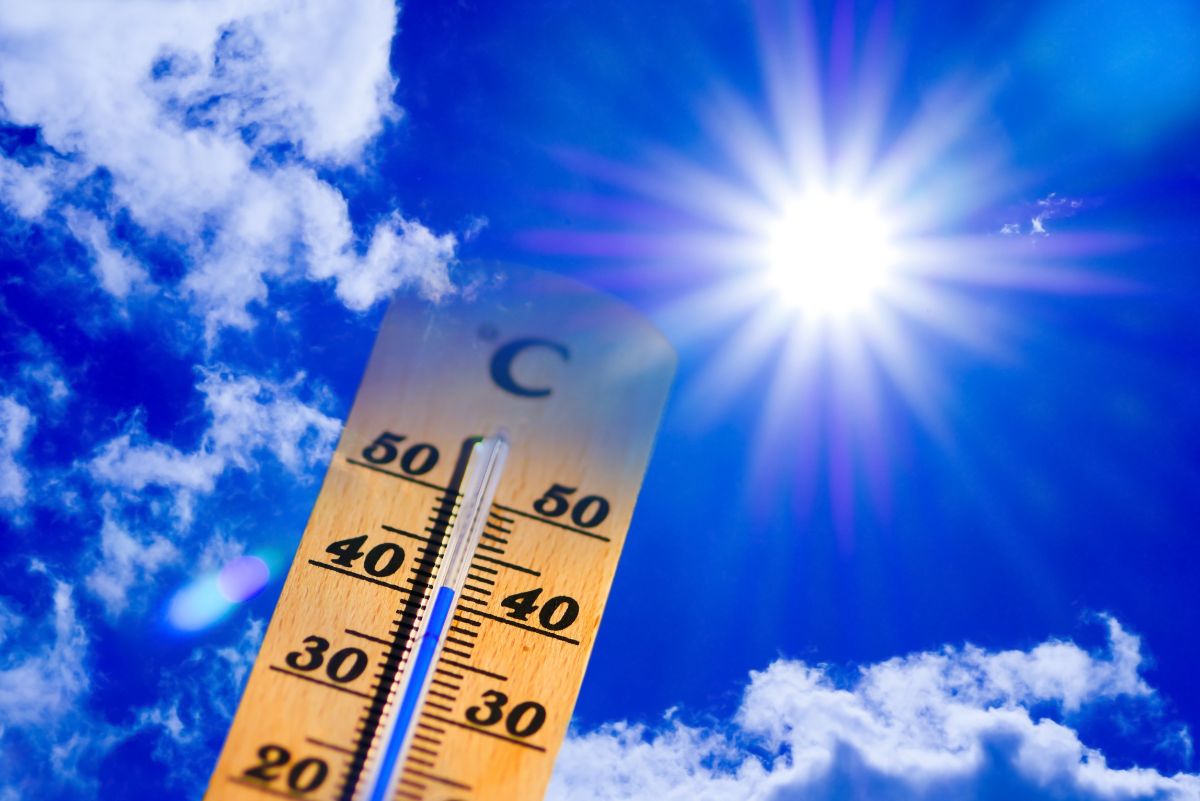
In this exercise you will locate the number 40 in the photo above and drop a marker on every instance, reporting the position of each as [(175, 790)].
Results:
[(556, 614)]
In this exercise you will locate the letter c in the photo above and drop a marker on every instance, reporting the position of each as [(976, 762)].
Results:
[(502, 361)]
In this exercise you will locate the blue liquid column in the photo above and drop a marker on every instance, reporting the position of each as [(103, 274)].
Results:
[(421, 665)]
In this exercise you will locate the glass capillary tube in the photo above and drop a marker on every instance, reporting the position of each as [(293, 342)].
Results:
[(395, 737)]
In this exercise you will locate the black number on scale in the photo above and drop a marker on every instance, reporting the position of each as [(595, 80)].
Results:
[(382, 560), (417, 460), (344, 666), (523, 720), (556, 614), (588, 512), (269, 758), (305, 776)]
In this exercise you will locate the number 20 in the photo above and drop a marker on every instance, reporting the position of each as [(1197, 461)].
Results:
[(305, 776)]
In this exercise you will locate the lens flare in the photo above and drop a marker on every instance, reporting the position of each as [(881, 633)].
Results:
[(242, 578), (209, 598)]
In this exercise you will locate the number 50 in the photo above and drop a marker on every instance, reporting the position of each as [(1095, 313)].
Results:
[(587, 512)]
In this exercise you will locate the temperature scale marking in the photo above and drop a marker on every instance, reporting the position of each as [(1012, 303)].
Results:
[(433, 631)]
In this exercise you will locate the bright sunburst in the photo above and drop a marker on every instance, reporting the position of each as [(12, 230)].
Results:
[(829, 254), (832, 242)]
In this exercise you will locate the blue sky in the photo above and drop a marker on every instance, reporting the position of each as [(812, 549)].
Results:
[(946, 553)]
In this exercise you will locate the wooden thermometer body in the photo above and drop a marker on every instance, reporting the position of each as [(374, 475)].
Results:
[(576, 383)]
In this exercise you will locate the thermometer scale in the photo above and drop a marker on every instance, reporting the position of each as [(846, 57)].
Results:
[(432, 634)]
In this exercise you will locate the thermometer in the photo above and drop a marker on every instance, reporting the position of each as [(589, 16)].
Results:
[(434, 628)]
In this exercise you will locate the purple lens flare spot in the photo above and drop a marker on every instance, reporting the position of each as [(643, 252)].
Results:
[(242, 578)]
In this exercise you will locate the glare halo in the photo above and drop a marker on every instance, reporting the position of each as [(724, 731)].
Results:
[(829, 254)]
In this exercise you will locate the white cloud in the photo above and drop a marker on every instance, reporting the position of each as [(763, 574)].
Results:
[(220, 550), (248, 415), (9, 620), (294, 208), (16, 421), (401, 253), (1050, 207), (1047, 208), (225, 669), (126, 561), (212, 119), (25, 189), (40, 686), (952, 724), (248, 418), (117, 273), (196, 706), (132, 461), (48, 376), (50, 743), (474, 227)]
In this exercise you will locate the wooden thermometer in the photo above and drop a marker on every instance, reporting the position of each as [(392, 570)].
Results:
[(433, 631)]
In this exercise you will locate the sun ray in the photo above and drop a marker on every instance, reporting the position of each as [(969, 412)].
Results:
[(838, 238)]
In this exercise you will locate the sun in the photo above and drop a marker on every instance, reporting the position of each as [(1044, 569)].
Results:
[(832, 244), (829, 254)]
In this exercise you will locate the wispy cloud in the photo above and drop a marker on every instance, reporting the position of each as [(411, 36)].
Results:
[(41, 685), (16, 423), (951, 724), (203, 690), (199, 157), (1048, 208), (208, 124), (125, 560), (25, 189), (117, 273), (46, 735), (248, 415), (53, 742), (47, 377)]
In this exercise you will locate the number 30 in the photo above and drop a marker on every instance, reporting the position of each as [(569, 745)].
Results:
[(492, 711)]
